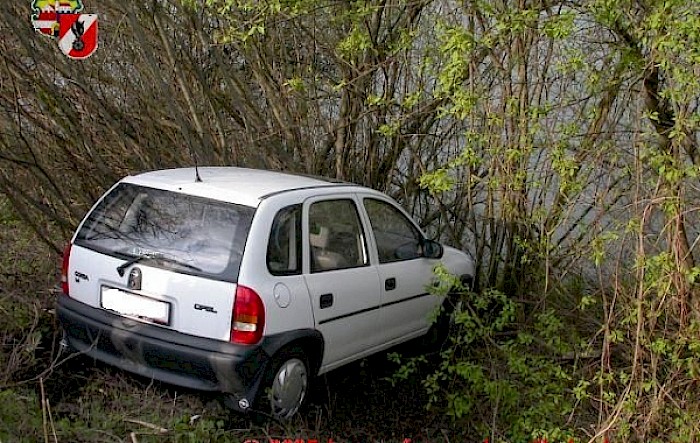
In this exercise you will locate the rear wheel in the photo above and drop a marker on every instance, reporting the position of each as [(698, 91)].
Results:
[(285, 385)]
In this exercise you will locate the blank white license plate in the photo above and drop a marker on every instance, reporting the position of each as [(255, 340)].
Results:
[(137, 306)]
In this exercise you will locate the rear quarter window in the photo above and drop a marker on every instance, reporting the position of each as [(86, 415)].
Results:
[(193, 235), (284, 244)]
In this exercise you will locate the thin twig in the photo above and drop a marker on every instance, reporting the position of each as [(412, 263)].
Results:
[(43, 410), (53, 427), (145, 424), (444, 434)]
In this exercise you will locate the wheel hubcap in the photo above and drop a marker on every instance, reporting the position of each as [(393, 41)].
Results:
[(288, 388)]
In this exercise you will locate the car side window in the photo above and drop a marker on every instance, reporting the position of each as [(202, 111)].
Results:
[(336, 238), (397, 238), (284, 245)]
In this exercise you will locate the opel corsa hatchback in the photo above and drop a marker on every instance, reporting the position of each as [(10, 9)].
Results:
[(246, 282)]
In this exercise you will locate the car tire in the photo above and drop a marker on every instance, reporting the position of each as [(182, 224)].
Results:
[(285, 384)]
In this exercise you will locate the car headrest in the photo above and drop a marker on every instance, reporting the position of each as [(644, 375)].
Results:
[(320, 239)]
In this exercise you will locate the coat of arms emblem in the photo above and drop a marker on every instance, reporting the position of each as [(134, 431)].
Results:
[(61, 20)]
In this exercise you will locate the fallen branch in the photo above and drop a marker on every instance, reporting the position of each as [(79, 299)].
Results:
[(151, 426)]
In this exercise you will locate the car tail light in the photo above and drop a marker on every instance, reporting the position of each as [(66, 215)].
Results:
[(248, 319), (64, 269)]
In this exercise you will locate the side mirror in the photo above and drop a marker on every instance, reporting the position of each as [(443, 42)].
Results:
[(432, 249)]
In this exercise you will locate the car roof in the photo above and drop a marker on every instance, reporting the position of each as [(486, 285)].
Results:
[(233, 184)]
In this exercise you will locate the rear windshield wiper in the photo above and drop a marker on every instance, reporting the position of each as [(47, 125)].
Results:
[(154, 256), (121, 268)]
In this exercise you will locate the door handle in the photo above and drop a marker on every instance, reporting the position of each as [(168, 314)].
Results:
[(326, 301), (390, 284)]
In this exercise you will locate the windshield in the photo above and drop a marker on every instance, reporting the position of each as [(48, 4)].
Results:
[(190, 234)]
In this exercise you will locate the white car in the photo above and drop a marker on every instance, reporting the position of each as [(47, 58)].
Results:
[(246, 282)]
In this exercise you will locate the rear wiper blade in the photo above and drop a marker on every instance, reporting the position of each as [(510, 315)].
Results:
[(133, 260), (121, 268)]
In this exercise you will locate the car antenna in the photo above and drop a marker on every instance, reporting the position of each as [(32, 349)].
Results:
[(197, 178), (194, 157)]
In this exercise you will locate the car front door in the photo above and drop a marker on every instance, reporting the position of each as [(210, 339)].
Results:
[(405, 274), (344, 287)]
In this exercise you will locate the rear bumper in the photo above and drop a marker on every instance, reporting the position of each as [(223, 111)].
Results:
[(163, 354)]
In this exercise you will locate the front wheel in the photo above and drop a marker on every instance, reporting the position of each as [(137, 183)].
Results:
[(439, 331), (285, 385)]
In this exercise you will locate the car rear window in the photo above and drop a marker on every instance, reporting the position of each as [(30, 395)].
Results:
[(187, 234)]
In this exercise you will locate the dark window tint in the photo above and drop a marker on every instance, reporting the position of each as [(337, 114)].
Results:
[(284, 245), (336, 238), (396, 236), (170, 230)]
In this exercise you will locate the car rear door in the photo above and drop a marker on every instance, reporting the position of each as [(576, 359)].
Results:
[(343, 285)]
